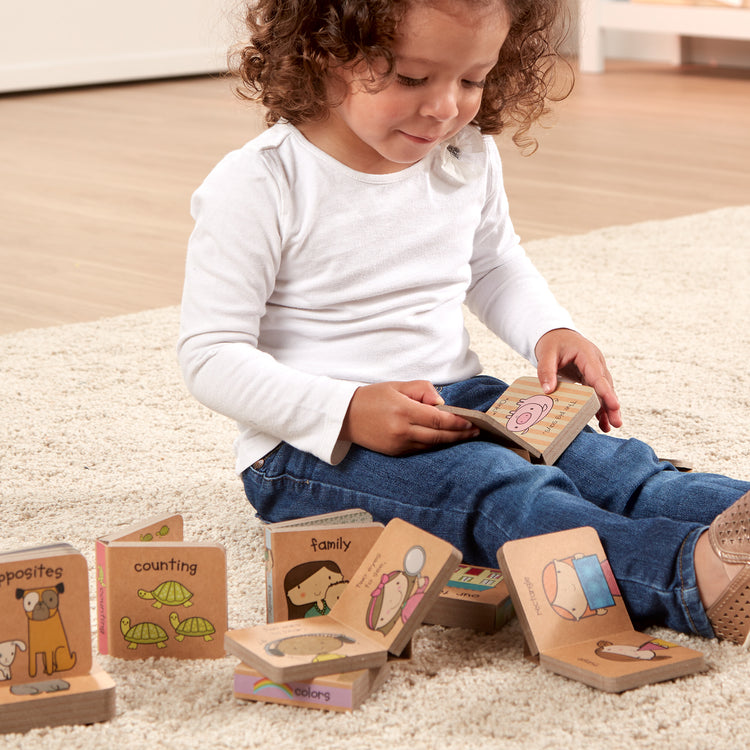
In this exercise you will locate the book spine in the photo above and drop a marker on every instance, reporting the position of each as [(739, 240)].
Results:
[(102, 623), (269, 575), (300, 693)]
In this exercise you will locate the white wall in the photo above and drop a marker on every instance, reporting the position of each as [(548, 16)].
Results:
[(50, 43)]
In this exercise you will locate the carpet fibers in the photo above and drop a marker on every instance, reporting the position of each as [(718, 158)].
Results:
[(98, 431)]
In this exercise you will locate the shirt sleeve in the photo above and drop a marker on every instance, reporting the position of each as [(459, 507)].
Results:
[(233, 257), (507, 292)]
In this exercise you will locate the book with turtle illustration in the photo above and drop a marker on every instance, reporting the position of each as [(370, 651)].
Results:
[(158, 595), (47, 674), (474, 597), (530, 421), (382, 605), (310, 560), (574, 619)]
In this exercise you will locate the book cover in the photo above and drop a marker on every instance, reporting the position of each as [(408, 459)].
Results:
[(47, 674), (574, 619), (336, 692), (542, 424), (378, 612), (158, 595), (475, 598), (309, 563)]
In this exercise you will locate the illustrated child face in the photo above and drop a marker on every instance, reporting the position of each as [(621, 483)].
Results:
[(393, 596), (569, 596), (443, 53), (313, 589), (529, 412)]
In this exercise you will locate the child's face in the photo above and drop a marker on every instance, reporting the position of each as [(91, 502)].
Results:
[(443, 53)]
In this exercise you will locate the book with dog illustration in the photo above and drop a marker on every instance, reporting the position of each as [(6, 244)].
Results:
[(309, 561), (574, 619), (542, 424), (158, 595), (474, 597), (47, 675), (382, 605), (336, 692)]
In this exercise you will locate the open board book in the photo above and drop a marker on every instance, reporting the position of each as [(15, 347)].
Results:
[(543, 425), (574, 618), (158, 595), (377, 613), (47, 674), (310, 560)]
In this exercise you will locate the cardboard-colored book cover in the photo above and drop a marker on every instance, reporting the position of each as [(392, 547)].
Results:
[(309, 563), (158, 595), (574, 619), (475, 598), (542, 424), (378, 612), (47, 674), (335, 692)]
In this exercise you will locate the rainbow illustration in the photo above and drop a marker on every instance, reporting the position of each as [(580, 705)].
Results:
[(271, 688)]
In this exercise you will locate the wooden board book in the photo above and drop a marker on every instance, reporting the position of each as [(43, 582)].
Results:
[(158, 595), (378, 612), (574, 618), (525, 417), (336, 692), (475, 598), (47, 674), (310, 561)]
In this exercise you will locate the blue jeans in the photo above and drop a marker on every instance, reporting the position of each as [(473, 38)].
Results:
[(479, 495)]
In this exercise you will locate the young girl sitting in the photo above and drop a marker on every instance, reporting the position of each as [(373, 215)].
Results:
[(322, 310)]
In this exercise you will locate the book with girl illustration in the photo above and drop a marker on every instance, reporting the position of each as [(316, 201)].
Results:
[(47, 673), (528, 420), (574, 618), (383, 604), (310, 560), (158, 595)]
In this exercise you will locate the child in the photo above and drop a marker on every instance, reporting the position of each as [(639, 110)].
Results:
[(323, 301)]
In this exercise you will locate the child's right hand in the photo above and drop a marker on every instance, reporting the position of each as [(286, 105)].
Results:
[(396, 418)]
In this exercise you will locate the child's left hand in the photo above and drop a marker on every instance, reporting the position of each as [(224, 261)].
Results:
[(569, 354)]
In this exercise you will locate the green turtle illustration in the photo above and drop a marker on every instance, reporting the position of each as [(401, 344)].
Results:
[(144, 633), (171, 593), (193, 627), (163, 531)]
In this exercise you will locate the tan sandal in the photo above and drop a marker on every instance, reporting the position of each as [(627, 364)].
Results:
[(729, 536)]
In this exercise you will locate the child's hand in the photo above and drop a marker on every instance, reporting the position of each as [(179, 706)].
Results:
[(399, 417), (571, 355)]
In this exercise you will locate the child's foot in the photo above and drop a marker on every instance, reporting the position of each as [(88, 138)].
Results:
[(729, 537)]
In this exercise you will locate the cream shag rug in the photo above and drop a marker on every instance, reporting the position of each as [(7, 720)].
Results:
[(98, 430)]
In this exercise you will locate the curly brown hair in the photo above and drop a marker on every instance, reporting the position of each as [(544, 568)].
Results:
[(293, 44)]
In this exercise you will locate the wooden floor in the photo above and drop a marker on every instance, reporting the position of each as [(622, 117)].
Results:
[(95, 182)]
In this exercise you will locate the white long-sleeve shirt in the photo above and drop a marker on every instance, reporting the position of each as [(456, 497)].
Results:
[(306, 279)]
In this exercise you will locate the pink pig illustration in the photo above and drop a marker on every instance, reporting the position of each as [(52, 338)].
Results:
[(528, 412)]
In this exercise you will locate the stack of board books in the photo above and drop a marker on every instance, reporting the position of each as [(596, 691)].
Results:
[(573, 617), (536, 425), (48, 676), (336, 660), (474, 597), (158, 595)]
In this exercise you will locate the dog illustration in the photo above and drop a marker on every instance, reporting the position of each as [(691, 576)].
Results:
[(46, 632), (8, 651)]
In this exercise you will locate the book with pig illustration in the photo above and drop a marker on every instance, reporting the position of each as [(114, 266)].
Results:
[(310, 560), (47, 675), (382, 605), (158, 595), (543, 425), (574, 618)]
